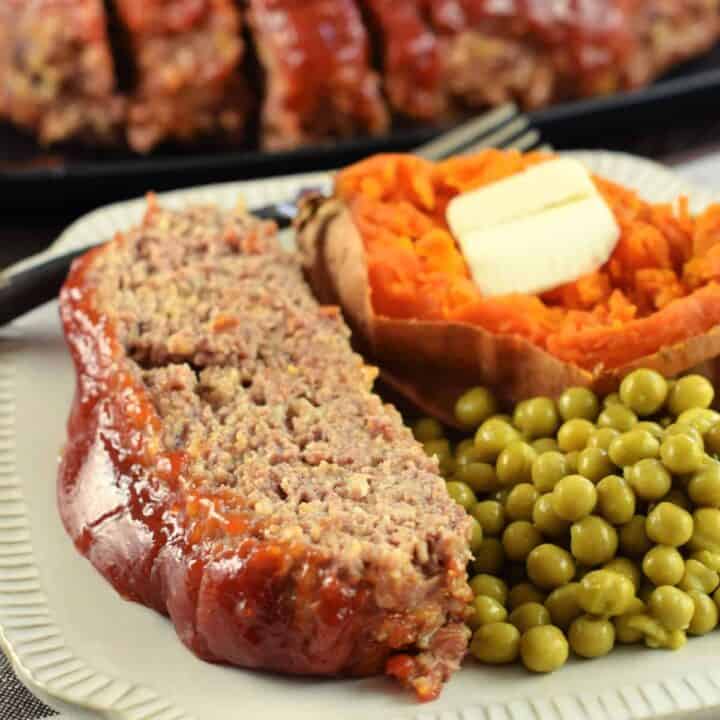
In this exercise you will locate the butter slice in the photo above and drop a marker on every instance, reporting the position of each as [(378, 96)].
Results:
[(543, 186), (533, 254)]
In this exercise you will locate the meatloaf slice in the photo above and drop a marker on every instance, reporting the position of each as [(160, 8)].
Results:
[(319, 83), (228, 464), (187, 56), (56, 69), (413, 65)]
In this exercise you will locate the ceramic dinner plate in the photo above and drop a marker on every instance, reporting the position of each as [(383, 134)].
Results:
[(72, 639)]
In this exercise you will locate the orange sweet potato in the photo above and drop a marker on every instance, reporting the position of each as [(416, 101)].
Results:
[(432, 360)]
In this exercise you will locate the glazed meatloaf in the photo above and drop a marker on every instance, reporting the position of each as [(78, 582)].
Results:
[(56, 70), (319, 82), (228, 464), (189, 83), (441, 57)]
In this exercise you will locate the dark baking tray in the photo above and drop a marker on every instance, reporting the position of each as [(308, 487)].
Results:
[(34, 178)]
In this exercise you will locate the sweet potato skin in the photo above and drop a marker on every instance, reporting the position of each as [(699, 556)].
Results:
[(432, 362)]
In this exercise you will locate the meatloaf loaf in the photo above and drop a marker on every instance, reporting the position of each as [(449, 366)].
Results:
[(441, 57), (228, 464), (188, 65), (56, 69)]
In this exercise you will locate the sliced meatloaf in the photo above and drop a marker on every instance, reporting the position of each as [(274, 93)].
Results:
[(56, 70), (319, 82), (228, 464), (545, 51), (413, 64), (188, 65)]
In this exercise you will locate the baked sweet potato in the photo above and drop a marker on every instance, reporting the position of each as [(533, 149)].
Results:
[(663, 318)]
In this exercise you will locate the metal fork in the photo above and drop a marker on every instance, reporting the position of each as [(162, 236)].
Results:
[(504, 127)]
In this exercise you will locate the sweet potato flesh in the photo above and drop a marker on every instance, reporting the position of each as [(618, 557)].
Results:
[(659, 288)]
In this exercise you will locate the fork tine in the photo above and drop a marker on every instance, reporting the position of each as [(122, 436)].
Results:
[(470, 132), (523, 142)]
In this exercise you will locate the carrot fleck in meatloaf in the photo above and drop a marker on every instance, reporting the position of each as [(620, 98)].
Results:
[(228, 464), (188, 62), (56, 70)]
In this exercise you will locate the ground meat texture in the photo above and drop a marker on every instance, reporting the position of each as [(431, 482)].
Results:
[(537, 54), (56, 70), (318, 80), (229, 465), (189, 81)]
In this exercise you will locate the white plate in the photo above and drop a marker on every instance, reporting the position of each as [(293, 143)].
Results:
[(72, 638)]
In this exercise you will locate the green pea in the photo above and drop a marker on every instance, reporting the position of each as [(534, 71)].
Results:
[(522, 593), (521, 501), (593, 541), (489, 557), (591, 637), (461, 493), (491, 516), (649, 479), (544, 649), (691, 391), (616, 500), (489, 585), (486, 610), (529, 615), (427, 429), (668, 524), (602, 438), (625, 566), (496, 643), (618, 417), (537, 417), (519, 538), (706, 530), (574, 434), (644, 391), (702, 419), (684, 429), (712, 439), (633, 537), (603, 592), (474, 407), (514, 464), (578, 402), (705, 617), (543, 445), (574, 497), (672, 607), (563, 605), (704, 486), (698, 577), (479, 476), (547, 470), (663, 565), (546, 520), (550, 566), (655, 429), (679, 454), (594, 464), (493, 436), (633, 446)]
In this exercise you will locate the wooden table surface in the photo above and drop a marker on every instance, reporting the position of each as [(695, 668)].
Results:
[(672, 138)]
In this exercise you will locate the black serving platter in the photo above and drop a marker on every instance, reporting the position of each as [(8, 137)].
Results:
[(41, 179)]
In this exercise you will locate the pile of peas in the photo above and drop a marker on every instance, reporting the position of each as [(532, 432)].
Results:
[(594, 522)]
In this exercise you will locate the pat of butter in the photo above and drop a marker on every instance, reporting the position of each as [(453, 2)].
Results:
[(556, 182), (534, 231), (541, 252)]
